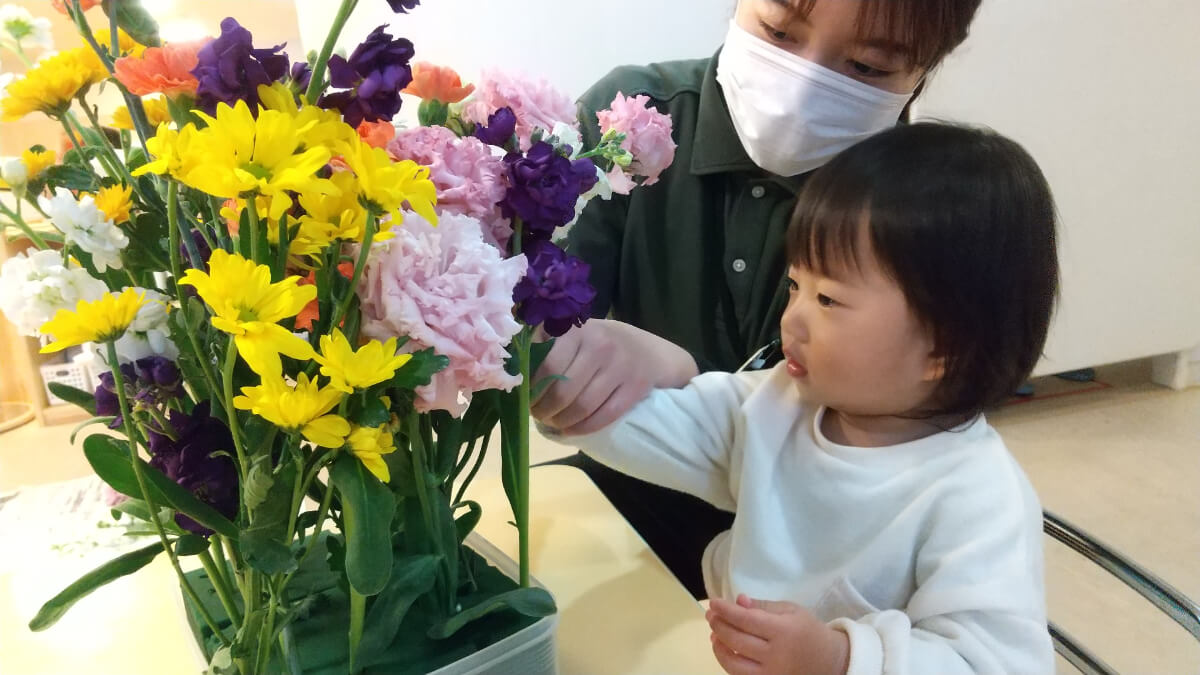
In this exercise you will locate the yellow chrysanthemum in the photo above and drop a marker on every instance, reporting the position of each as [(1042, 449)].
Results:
[(125, 42), (332, 217), (156, 112), (114, 202), (102, 320), (369, 444), (325, 127), (36, 162), (238, 155), (348, 369), (389, 185), (51, 84), (300, 409), (248, 306)]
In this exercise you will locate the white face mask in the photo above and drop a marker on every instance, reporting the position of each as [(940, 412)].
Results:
[(791, 114)]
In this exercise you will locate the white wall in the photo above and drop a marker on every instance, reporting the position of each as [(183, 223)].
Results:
[(571, 43), (1105, 94)]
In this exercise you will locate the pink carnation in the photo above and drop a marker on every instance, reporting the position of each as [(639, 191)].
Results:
[(534, 102), (448, 289), (469, 179), (647, 138)]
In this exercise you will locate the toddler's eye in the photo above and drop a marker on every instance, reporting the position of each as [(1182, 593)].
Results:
[(792, 286), (825, 300)]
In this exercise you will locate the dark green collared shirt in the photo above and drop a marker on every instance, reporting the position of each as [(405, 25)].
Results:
[(697, 258)]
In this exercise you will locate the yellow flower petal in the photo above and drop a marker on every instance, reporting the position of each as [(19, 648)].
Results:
[(102, 320), (328, 431), (348, 369)]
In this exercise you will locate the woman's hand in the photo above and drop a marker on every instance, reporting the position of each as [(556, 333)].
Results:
[(761, 637), (609, 366)]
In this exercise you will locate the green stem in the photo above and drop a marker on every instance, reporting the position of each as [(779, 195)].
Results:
[(227, 383), (417, 451), (135, 461), (358, 610), (462, 489), (321, 512), (252, 211), (264, 637), (173, 235), (21, 225), (316, 84), (220, 585), (522, 515), (70, 133), (363, 252)]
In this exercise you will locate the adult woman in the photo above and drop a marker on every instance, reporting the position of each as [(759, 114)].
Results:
[(692, 268)]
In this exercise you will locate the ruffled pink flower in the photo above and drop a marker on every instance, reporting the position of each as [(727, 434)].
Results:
[(448, 289), (534, 102), (469, 179), (647, 138)]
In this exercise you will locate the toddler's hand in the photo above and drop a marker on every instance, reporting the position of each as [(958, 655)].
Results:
[(762, 637)]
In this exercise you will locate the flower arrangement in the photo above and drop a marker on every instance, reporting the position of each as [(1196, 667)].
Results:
[(311, 322)]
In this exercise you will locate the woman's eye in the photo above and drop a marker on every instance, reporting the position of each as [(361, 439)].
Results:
[(865, 70), (774, 33), (825, 300)]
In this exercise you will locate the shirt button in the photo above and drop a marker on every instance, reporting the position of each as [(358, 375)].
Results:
[(739, 265), (757, 192)]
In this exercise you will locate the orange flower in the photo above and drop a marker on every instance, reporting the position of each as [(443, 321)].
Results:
[(85, 5), (437, 82), (311, 311), (165, 70), (376, 134)]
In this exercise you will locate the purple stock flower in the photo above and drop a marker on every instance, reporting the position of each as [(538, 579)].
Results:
[(403, 6), (150, 381), (501, 125), (543, 188), (230, 68), (371, 79), (555, 291), (192, 461), (301, 74)]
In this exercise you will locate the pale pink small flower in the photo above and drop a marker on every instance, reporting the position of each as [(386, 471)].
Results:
[(445, 287), (647, 138), (468, 177), (536, 103)]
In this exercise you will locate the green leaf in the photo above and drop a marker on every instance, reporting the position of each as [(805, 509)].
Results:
[(190, 544), (109, 457), (258, 485), (527, 601), (538, 387), (264, 542), (102, 419), (374, 413), (537, 353), (72, 178), (135, 20), (112, 570), (412, 577), (266, 554), (419, 370), (79, 397), (367, 508), (449, 434), (467, 522)]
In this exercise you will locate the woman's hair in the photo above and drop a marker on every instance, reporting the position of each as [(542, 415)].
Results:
[(963, 220), (930, 29)]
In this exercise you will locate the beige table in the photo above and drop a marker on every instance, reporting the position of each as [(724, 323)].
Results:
[(621, 611)]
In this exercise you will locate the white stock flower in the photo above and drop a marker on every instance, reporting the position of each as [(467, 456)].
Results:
[(36, 284), (13, 172), (569, 136), (148, 334), (85, 226), (19, 27)]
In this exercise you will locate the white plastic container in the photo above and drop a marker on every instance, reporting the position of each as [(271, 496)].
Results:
[(530, 651)]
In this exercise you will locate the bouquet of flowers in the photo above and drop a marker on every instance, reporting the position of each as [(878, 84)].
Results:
[(310, 321)]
